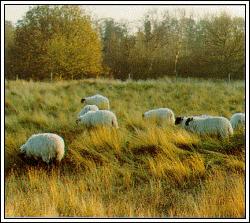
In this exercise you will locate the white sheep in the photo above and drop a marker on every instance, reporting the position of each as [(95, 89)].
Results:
[(160, 115), (87, 108), (98, 118), (45, 146), (238, 120), (100, 101), (219, 126)]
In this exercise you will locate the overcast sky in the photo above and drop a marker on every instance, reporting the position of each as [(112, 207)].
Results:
[(130, 13)]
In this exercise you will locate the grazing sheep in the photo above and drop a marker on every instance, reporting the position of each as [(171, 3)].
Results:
[(160, 115), (98, 118), (87, 108), (45, 146), (100, 101), (182, 120), (219, 126), (238, 120)]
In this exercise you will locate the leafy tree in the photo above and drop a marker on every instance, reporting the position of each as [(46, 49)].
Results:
[(8, 47), (224, 41), (58, 40), (61, 40), (116, 46)]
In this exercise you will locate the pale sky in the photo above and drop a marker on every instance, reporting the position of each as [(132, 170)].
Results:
[(130, 13)]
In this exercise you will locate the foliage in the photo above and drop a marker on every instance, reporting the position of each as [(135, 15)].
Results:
[(8, 47), (176, 44), (58, 41), (62, 42)]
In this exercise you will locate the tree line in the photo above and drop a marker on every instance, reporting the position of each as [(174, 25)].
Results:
[(63, 42)]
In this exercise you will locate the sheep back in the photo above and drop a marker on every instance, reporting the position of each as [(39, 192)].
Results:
[(99, 118), (87, 108), (98, 100), (160, 115)]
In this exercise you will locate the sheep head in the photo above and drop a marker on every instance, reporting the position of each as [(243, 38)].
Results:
[(22, 152), (178, 120)]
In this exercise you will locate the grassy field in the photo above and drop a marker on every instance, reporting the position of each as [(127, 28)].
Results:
[(138, 170)]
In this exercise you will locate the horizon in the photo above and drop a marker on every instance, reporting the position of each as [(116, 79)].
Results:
[(132, 13)]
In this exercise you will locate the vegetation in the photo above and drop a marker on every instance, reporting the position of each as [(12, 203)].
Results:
[(138, 170), (58, 41), (8, 47), (176, 44), (65, 42)]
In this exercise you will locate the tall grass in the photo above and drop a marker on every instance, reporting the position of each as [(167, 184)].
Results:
[(138, 170)]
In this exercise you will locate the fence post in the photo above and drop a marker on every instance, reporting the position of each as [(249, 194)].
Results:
[(229, 77), (51, 76)]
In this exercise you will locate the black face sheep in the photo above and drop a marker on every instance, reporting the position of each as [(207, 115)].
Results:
[(100, 101), (45, 146), (211, 125)]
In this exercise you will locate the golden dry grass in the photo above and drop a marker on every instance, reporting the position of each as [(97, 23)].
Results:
[(138, 170)]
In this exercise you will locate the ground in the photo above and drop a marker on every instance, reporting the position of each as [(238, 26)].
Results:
[(138, 170)]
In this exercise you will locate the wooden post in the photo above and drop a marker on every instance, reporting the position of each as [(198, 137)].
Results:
[(51, 76), (175, 64), (229, 77)]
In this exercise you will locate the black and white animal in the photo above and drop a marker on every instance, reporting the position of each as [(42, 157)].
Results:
[(211, 125)]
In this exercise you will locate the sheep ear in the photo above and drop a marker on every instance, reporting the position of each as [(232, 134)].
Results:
[(189, 120), (83, 99)]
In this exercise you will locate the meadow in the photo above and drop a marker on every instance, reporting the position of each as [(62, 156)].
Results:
[(139, 170)]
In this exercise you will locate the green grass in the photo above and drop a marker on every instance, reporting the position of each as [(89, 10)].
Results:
[(138, 170)]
